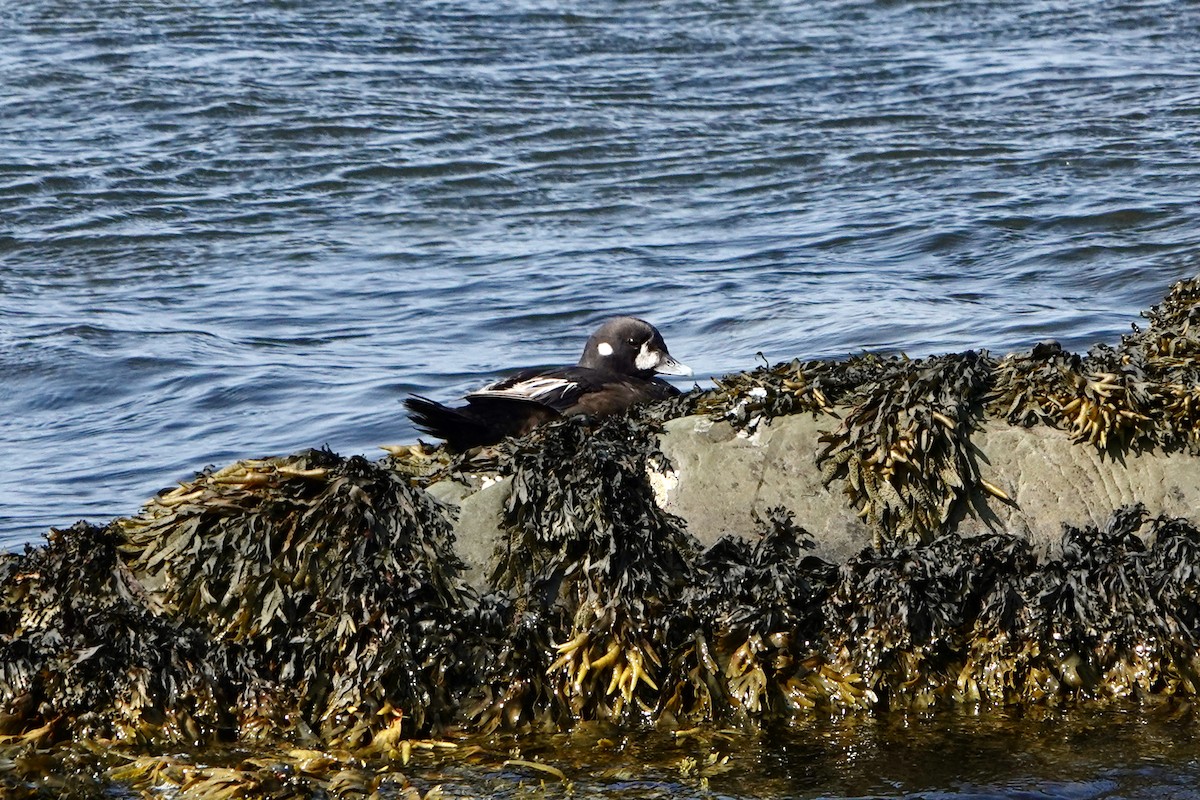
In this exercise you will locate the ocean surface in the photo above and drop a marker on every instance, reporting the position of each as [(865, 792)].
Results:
[(237, 229)]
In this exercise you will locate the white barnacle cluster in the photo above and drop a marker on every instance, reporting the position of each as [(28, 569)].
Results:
[(663, 482), (747, 414)]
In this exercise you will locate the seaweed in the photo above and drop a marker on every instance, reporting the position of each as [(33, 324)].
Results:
[(904, 452), (589, 551), (513, 692), (1141, 395), (751, 616), (336, 582), (310, 597), (902, 449), (81, 656), (903, 617), (1032, 388), (792, 387), (1169, 349), (1100, 621)]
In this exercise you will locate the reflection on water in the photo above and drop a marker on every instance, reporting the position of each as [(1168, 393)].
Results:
[(1124, 751)]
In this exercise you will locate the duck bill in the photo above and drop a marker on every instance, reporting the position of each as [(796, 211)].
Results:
[(653, 357), (669, 366)]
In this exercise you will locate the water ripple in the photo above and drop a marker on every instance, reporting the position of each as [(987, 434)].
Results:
[(233, 228)]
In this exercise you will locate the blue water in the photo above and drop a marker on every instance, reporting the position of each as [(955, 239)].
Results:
[(233, 229)]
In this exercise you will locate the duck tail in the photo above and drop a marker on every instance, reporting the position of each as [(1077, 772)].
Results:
[(457, 426)]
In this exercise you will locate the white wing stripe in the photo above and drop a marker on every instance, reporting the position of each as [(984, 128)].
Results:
[(541, 389)]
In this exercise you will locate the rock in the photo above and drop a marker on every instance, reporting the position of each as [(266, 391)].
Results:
[(869, 534), (722, 478)]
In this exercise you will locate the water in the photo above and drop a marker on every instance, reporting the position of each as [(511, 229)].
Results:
[(1122, 752), (232, 229), (240, 229), (1087, 754)]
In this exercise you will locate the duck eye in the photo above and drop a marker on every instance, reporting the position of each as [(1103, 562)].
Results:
[(632, 342)]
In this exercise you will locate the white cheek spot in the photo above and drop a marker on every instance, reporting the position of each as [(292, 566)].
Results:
[(605, 349), (646, 358)]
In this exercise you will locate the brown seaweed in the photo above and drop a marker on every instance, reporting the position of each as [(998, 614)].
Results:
[(750, 618), (82, 656), (310, 597), (589, 551), (904, 452), (315, 602)]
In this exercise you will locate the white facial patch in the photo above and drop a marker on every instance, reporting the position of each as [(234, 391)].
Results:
[(647, 358), (604, 348)]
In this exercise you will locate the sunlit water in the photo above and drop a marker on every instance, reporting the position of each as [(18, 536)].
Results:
[(1137, 754), (242, 229), (1122, 752), (233, 229)]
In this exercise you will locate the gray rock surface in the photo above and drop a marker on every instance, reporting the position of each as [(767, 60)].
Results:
[(722, 477)]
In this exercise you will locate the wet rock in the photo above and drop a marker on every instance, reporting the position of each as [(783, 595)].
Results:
[(834, 536), (722, 477)]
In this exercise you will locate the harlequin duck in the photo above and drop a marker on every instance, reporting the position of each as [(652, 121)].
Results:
[(615, 372)]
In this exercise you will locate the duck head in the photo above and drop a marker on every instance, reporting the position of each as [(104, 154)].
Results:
[(630, 346)]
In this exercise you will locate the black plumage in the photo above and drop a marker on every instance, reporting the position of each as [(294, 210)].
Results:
[(616, 371)]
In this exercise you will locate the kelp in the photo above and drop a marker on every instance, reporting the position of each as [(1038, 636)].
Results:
[(589, 551), (315, 602), (311, 598)]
